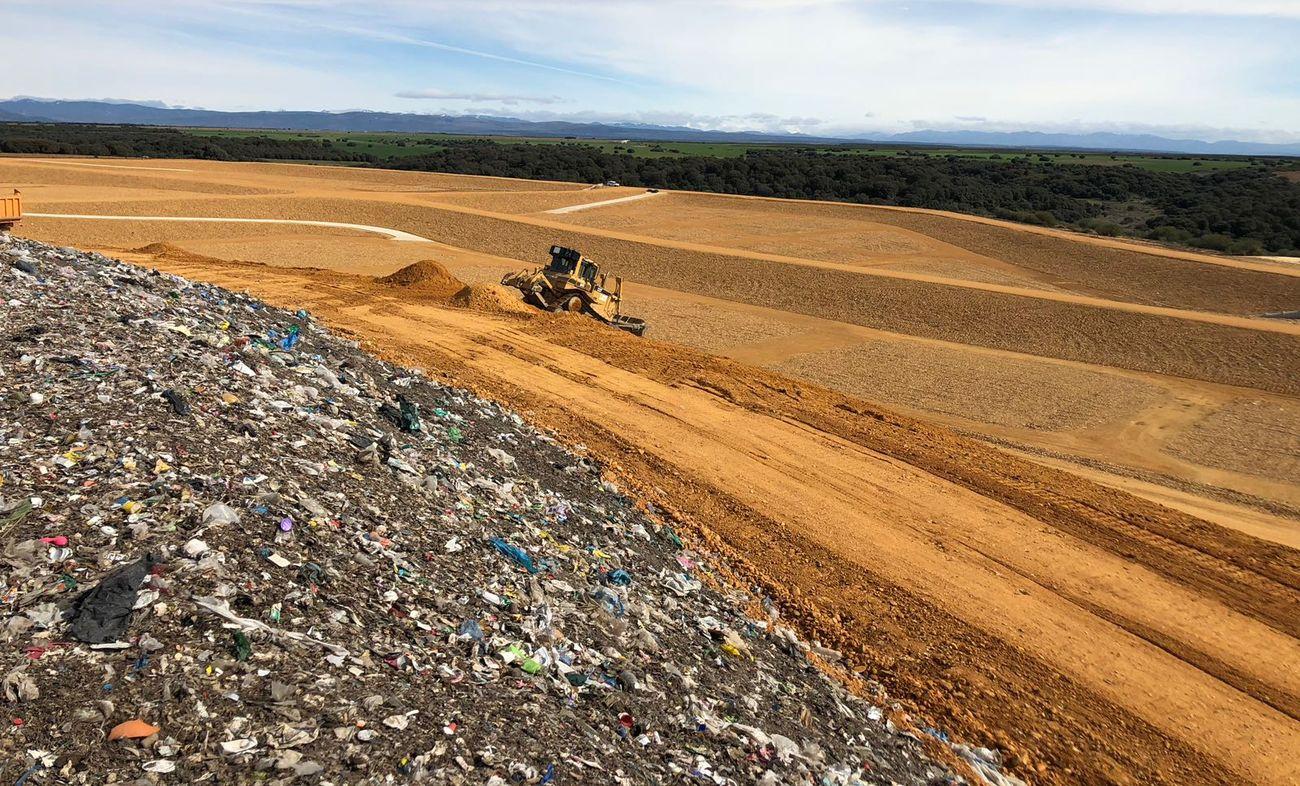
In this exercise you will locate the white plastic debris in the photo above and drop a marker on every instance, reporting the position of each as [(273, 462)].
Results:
[(218, 514), (239, 746)]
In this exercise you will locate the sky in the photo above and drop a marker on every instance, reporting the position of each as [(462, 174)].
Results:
[(1207, 69)]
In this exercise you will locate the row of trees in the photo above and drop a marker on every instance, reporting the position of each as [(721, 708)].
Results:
[(1248, 211), (148, 141)]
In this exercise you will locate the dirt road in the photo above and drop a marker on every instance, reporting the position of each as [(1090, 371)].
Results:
[(1070, 620), (590, 205)]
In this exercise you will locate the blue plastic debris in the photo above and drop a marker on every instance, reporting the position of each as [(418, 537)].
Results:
[(516, 554), (472, 629), (291, 339)]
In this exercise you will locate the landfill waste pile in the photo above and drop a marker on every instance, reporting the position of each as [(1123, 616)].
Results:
[(238, 548)]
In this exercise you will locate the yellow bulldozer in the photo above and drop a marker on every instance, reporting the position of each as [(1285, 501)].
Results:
[(575, 284)]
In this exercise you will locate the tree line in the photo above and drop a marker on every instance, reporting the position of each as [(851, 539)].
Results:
[(153, 142), (1250, 210)]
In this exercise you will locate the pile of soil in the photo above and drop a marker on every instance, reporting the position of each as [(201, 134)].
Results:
[(159, 249), (492, 298), (427, 278), (430, 279), (174, 252)]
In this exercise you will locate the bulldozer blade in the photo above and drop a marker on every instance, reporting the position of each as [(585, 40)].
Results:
[(632, 325)]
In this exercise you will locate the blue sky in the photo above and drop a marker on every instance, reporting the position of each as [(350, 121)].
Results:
[(1202, 68)]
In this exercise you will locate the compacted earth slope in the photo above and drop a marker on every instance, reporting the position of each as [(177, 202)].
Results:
[(238, 548)]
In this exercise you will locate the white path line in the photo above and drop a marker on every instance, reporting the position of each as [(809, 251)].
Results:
[(87, 163), (395, 234), (590, 205)]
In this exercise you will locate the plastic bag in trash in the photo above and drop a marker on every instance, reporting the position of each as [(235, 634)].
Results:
[(219, 513), (516, 554), (103, 613)]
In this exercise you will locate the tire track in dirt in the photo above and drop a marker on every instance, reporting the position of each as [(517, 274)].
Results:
[(1051, 728)]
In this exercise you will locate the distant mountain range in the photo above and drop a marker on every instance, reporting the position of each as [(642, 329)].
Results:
[(1095, 141), (42, 110), (12, 117), (487, 125)]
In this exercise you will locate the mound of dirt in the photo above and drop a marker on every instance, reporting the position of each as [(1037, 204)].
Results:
[(493, 298), (426, 277), (159, 249), (175, 253)]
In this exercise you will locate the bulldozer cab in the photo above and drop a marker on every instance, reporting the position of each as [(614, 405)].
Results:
[(564, 260), (568, 262)]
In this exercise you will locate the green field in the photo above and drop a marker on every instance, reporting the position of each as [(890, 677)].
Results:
[(401, 145)]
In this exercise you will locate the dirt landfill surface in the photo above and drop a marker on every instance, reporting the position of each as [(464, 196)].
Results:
[(239, 549)]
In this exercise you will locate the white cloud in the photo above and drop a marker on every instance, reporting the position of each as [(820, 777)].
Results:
[(136, 101), (679, 8), (1277, 8), (828, 59), (434, 94), (754, 121), (377, 32), (69, 59), (1283, 8), (820, 66)]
